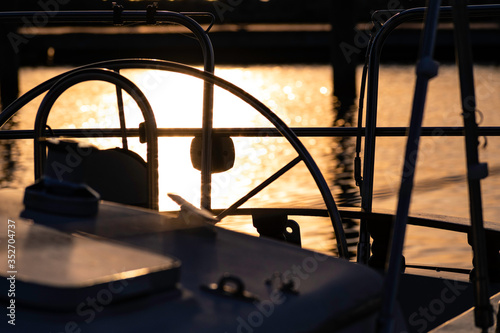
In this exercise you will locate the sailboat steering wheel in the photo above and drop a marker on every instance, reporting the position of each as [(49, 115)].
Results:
[(283, 129)]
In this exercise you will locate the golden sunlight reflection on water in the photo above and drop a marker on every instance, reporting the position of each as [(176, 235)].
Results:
[(301, 96)]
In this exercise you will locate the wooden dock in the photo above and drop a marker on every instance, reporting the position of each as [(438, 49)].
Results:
[(250, 31)]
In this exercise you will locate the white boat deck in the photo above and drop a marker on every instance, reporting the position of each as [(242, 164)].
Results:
[(465, 322)]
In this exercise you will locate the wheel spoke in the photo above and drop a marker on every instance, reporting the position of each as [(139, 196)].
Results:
[(259, 188)]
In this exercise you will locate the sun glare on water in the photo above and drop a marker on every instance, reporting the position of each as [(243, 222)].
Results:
[(177, 100)]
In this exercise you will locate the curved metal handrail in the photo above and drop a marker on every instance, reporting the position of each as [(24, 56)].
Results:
[(95, 74), (373, 77), (374, 53)]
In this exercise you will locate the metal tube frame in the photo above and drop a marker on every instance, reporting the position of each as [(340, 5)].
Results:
[(183, 19), (371, 130), (426, 69)]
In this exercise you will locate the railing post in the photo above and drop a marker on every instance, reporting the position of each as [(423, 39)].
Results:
[(427, 68), (483, 310)]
